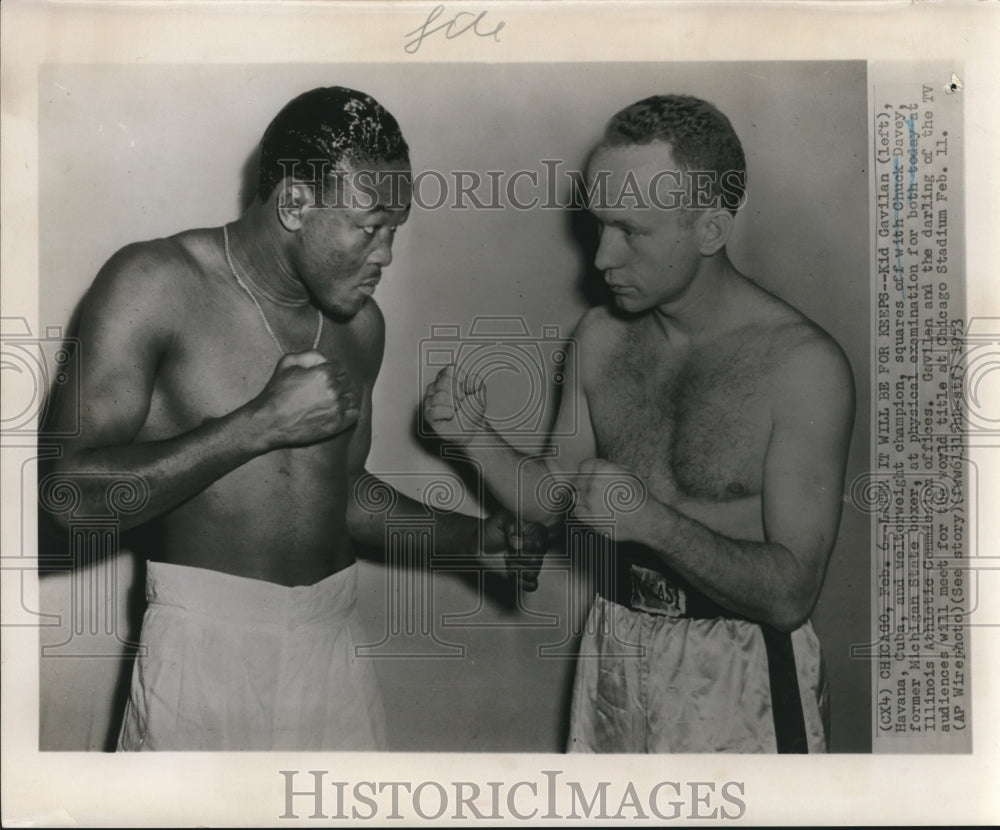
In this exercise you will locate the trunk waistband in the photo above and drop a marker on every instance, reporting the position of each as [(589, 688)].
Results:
[(238, 598), (644, 589)]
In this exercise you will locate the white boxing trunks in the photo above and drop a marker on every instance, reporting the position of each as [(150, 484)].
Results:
[(230, 663)]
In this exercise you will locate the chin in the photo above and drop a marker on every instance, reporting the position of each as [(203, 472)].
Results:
[(630, 304), (344, 309)]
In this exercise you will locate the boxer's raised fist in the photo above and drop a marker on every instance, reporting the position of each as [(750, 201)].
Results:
[(609, 495), (455, 406), (307, 399)]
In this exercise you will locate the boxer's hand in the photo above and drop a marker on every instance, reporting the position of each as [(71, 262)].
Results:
[(607, 493), (455, 406), (307, 399), (522, 545)]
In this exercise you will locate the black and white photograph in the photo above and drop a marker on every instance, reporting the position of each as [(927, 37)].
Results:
[(400, 431), (529, 283)]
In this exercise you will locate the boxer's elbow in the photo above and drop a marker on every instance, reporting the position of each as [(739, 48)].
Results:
[(792, 608), (790, 616), (69, 487)]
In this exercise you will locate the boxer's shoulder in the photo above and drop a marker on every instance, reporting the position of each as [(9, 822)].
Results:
[(143, 278), (595, 341), (807, 360), (771, 329), (367, 330), (150, 260), (599, 331), (369, 323), (783, 353)]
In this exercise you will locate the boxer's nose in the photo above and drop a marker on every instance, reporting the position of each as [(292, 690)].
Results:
[(382, 254), (609, 251)]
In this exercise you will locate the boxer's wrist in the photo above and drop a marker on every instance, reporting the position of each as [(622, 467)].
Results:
[(253, 429), (652, 522), (479, 435)]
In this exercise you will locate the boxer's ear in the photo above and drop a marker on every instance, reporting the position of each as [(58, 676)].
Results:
[(714, 227), (292, 198)]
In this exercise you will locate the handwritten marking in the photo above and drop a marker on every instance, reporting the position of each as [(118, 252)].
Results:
[(911, 191), (897, 234), (452, 28)]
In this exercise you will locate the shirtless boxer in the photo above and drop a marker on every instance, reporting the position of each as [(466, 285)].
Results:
[(734, 411), (231, 369)]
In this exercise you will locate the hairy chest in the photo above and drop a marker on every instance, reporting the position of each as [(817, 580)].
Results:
[(693, 426)]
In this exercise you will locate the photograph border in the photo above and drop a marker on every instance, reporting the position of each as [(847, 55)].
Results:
[(225, 788)]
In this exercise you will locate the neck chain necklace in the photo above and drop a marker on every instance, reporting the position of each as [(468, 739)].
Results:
[(260, 311)]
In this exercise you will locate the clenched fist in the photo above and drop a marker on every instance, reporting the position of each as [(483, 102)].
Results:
[(522, 545), (606, 493), (455, 406), (307, 399)]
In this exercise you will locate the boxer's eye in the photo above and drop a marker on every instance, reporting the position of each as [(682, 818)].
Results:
[(371, 230)]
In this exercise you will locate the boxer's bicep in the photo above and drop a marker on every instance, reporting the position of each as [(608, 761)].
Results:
[(369, 327), (806, 460), (361, 439), (125, 328), (572, 434)]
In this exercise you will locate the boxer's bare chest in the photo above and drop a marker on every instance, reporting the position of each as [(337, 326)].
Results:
[(221, 357), (280, 515), (693, 422)]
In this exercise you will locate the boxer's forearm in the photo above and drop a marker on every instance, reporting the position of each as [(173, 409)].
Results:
[(764, 581), (515, 479), (170, 471), (373, 505), (376, 511)]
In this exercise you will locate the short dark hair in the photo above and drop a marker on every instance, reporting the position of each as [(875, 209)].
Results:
[(333, 124), (701, 138)]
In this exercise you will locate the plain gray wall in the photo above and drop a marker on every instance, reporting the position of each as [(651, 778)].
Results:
[(131, 153)]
